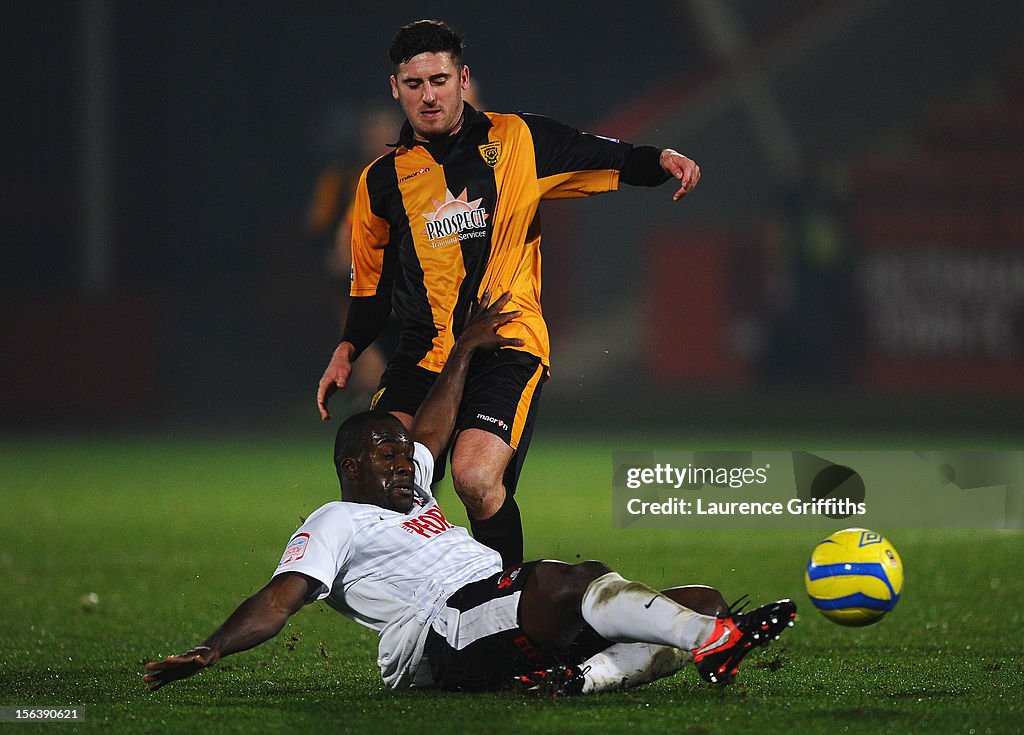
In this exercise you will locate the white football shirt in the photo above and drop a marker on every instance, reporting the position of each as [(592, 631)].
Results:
[(389, 571)]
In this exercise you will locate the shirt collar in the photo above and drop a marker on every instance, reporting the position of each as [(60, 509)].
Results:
[(472, 118)]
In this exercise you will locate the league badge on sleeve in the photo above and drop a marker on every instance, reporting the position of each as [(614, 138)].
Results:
[(296, 549)]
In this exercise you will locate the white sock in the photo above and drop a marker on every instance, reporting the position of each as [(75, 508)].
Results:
[(630, 664), (631, 612)]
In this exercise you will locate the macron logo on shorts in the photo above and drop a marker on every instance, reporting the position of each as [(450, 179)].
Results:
[(296, 549), (491, 420)]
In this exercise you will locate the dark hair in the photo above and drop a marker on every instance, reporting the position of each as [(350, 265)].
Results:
[(351, 438), (425, 36)]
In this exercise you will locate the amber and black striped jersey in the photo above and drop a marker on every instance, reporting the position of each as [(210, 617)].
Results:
[(435, 224)]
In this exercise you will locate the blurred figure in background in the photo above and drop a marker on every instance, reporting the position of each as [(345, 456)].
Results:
[(329, 225), (812, 329)]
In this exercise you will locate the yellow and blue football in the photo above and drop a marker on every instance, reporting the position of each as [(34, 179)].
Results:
[(854, 577)]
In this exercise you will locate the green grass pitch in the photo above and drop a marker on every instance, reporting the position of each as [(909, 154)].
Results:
[(171, 534)]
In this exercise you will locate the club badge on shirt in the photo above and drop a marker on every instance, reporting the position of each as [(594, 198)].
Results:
[(491, 152)]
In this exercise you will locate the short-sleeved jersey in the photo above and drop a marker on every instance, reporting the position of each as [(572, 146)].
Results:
[(389, 571), (436, 224)]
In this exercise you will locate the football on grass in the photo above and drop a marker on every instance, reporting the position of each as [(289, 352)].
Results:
[(854, 577)]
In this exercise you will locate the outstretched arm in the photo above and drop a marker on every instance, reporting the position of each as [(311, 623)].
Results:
[(649, 166), (256, 620), (435, 419)]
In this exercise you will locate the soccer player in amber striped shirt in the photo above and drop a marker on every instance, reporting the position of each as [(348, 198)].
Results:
[(448, 214)]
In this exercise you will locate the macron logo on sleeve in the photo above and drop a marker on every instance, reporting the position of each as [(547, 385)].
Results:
[(295, 550)]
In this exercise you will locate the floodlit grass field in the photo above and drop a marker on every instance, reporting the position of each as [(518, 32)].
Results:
[(171, 534)]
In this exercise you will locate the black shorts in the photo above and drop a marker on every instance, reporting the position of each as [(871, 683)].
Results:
[(476, 644), (501, 397)]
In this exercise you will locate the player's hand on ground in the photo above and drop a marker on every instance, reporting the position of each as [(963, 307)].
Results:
[(335, 377), (180, 666), (681, 168), (483, 322)]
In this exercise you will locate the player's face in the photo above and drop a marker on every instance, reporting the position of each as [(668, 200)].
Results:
[(429, 88), (386, 469)]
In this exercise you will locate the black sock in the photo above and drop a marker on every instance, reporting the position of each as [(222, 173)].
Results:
[(503, 532)]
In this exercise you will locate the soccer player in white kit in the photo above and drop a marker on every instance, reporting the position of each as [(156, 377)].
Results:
[(447, 614)]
